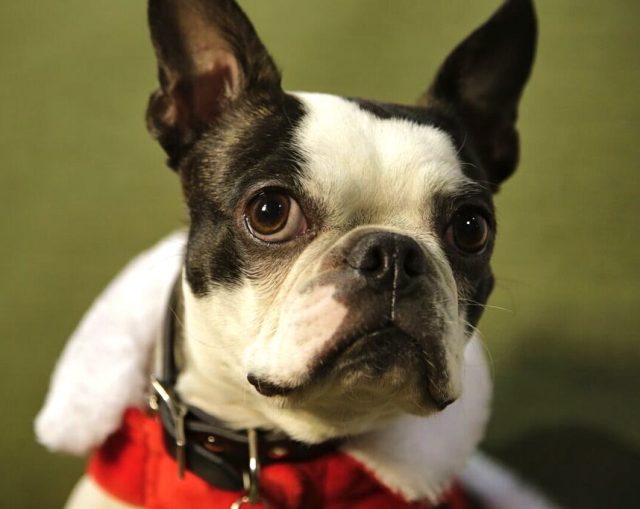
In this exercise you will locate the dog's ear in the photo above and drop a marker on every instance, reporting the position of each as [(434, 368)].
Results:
[(481, 83), (209, 56)]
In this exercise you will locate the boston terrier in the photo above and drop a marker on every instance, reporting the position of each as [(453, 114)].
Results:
[(320, 346)]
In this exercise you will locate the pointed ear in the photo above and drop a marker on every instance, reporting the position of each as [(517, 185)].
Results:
[(481, 83), (209, 56)]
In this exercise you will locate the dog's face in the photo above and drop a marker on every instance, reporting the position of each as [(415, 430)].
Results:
[(338, 256)]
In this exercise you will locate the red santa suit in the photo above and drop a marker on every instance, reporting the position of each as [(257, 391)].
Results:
[(134, 467)]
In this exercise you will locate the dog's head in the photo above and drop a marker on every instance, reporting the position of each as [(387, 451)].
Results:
[(338, 255)]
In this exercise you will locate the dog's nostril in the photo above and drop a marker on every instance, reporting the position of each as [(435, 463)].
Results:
[(372, 261), (414, 263)]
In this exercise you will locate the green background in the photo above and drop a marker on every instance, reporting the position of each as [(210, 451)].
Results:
[(83, 188)]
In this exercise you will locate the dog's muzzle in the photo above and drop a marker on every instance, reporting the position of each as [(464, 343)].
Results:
[(395, 330)]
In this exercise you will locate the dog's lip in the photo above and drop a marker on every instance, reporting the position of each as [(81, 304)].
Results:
[(269, 389), (323, 362)]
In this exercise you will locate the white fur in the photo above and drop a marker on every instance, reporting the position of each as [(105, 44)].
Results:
[(215, 327), (358, 163), (104, 367), (222, 332), (305, 326)]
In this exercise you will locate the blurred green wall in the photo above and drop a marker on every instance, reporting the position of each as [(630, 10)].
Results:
[(83, 188)]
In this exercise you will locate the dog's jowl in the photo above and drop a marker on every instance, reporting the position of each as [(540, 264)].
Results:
[(322, 322)]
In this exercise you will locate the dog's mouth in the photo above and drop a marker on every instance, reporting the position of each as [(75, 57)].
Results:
[(322, 365), (383, 355)]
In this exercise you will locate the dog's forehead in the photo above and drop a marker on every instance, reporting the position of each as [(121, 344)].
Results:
[(359, 162)]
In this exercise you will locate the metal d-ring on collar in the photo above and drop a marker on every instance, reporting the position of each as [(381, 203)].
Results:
[(251, 477)]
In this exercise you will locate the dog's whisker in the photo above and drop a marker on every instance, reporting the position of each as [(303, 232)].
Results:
[(461, 147), (485, 306)]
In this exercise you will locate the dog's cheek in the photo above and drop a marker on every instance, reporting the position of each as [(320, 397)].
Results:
[(284, 354)]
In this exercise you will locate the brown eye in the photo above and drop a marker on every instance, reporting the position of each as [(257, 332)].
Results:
[(468, 231), (273, 216)]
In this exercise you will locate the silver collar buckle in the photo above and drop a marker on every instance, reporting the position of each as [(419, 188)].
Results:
[(178, 412)]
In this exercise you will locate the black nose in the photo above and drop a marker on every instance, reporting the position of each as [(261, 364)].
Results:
[(388, 260)]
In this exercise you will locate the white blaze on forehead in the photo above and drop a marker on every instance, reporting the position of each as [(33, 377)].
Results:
[(360, 163), (307, 323)]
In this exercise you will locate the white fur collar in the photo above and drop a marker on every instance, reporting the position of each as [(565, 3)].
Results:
[(419, 457), (104, 368)]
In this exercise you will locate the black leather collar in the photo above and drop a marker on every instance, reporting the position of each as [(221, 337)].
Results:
[(202, 443)]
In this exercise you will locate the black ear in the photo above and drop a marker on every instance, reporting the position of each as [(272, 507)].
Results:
[(481, 83), (209, 56)]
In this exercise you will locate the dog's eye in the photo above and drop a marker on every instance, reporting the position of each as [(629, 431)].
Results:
[(273, 216), (468, 231)]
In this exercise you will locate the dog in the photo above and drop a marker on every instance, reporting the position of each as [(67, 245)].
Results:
[(336, 265)]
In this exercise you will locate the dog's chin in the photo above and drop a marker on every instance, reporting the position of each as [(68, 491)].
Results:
[(384, 372)]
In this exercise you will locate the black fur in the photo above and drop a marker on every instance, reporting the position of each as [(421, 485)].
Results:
[(200, 45), (481, 82), (264, 152)]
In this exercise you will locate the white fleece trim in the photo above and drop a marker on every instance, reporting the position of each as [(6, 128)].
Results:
[(104, 366)]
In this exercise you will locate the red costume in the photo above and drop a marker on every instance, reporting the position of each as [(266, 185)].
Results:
[(133, 466)]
